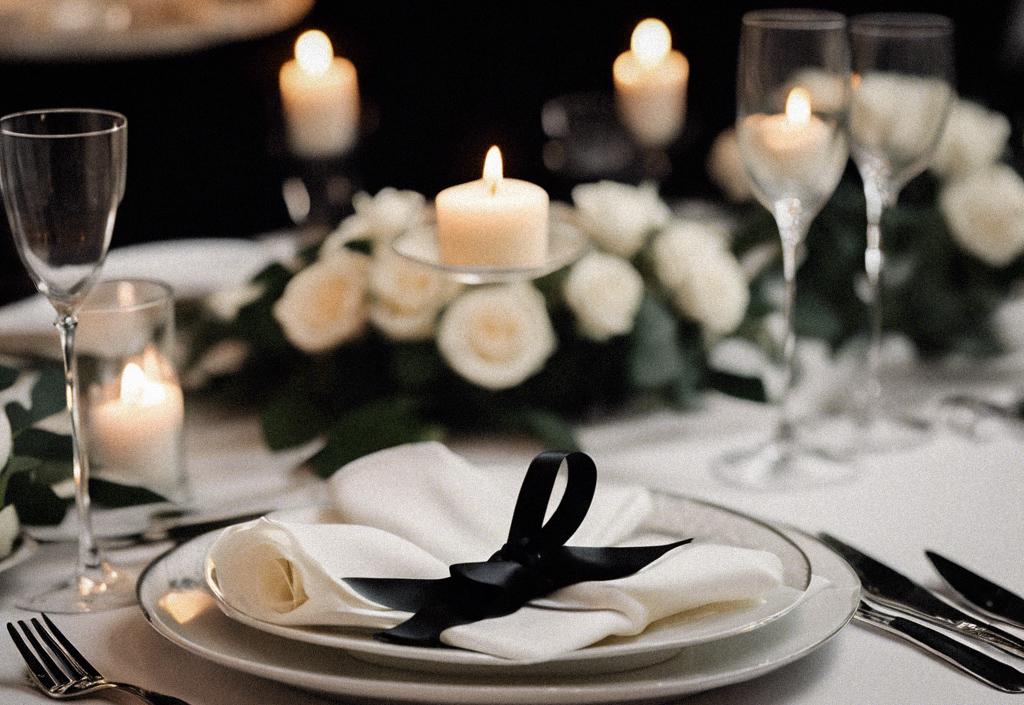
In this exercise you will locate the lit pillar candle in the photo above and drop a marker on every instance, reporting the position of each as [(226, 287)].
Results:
[(793, 146), (320, 95), (136, 434), (494, 221), (650, 85)]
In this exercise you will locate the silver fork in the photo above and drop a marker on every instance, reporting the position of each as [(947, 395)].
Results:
[(61, 671)]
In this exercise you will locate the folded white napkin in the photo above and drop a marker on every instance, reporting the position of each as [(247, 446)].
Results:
[(416, 509)]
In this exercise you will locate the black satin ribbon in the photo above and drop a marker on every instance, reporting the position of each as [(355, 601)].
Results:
[(534, 562)]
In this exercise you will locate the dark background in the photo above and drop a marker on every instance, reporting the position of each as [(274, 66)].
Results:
[(442, 81)]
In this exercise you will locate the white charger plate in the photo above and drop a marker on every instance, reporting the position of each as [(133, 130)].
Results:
[(176, 602), (672, 518)]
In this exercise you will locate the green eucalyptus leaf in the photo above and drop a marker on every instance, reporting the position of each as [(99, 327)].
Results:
[(18, 416), (49, 395), (35, 502), (113, 494), (292, 417), (655, 356), (8, 376), (552, 430), (741, 386), (37, 443)]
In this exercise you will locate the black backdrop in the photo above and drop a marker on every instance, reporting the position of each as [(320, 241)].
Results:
[(443, 79)]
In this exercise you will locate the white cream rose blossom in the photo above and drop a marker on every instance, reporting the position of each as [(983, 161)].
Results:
[(326, 303), (619, 217), (380, 218), (225, 304), (985, 213), (725, 167), (498, 336), (975, 137), (604, 292), (406, 297), (707, 283)]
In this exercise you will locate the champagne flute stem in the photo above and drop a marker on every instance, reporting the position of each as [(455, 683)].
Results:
[(89, 562), (785, 430), (877, 199)]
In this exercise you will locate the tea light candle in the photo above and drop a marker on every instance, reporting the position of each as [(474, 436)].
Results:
[(793, 145), (320, 95), (137, 434), (650, 85), (493, 222)]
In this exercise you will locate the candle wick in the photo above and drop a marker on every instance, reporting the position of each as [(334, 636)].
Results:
[(494, 187)]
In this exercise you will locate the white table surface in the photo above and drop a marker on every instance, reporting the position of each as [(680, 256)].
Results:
[(962, 497)]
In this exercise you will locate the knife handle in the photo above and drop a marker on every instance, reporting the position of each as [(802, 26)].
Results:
[(988, 670)]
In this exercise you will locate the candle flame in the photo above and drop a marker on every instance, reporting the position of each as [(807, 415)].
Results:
[(798, 106), (493, 169), (314, 52), (136, 388), (651, 42)]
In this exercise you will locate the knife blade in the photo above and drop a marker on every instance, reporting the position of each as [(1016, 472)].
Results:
[(988, 670), (990, 599), (898, 592)]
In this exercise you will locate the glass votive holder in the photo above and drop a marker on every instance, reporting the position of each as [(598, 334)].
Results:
[(132, 405)]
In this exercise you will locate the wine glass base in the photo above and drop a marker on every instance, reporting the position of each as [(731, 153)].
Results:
[(111, 588), (772, 467), (889, 432)]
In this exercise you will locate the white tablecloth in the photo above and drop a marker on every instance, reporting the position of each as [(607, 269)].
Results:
[(961, 497)]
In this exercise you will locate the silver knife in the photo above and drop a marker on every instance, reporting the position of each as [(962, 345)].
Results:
[(986, 597), (988, 670), (900, 593)]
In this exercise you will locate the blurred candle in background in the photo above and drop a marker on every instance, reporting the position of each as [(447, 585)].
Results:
[(650, 85), (494, 221), (320, 95)]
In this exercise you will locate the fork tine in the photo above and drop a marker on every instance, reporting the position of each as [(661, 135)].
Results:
[(57, 674), (36, 670), (58, 651), (69, 648)]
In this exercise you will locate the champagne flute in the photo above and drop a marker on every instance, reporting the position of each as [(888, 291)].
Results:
[(792, 99), (901, 95), (62, 173)]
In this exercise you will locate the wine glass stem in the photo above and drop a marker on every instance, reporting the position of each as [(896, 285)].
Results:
[(877, 199), (89, 561), (785, 431)]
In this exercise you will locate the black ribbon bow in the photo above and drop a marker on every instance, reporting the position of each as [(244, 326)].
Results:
[(534, 562)]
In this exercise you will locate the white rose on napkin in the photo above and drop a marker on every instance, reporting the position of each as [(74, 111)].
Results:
[(406, 297), (985, 213), (416, 509), (604, 292), (974, 138), (708, 283), (497, 336), (325, 304), (725, 167), (619, 217)]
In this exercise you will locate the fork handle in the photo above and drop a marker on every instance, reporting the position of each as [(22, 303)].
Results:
[(149, 696)]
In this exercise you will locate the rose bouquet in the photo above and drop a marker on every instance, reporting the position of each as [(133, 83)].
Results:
[(355, 344)]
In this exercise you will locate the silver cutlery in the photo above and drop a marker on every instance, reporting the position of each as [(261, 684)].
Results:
[(61, 671), (981, 594), (899, 593), (985, 668)]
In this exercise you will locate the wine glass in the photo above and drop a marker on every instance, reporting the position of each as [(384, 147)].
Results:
[(62, 173), (792, 99), (901, 94)]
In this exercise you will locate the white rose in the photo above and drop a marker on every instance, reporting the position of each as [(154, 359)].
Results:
[(725, 167), (1008, 321), (497, 337), (8, 529), (325, 304), (380, 218), (225, 304), (604, 292), (894, 113), (985, 213), (619, 217), (974, 138), (706, 281), (407, 297), (827, 89)]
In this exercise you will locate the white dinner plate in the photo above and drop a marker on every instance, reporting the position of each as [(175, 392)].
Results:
[(176, 602), (672, 518)]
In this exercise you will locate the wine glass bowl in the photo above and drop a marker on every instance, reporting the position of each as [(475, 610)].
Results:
[(63, 175)]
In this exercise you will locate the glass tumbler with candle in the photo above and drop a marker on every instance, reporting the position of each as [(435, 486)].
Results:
[(792, 98), (132, 405)]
